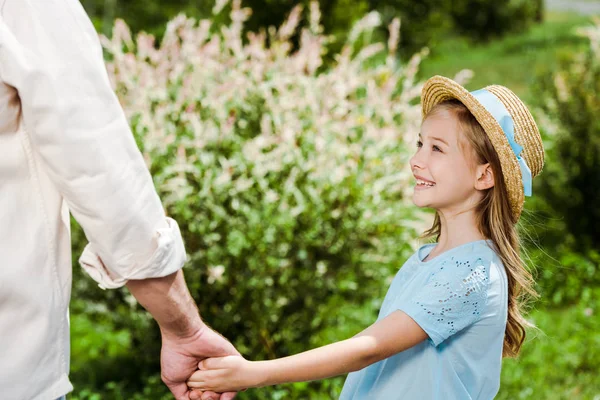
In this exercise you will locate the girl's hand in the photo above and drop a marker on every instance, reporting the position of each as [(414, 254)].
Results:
[(226, 374)]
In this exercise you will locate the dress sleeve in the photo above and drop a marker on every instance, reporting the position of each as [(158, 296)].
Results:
[(452, 299), (79, 136)]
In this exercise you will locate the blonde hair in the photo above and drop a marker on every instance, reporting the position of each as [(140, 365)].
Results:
[(494, 220)]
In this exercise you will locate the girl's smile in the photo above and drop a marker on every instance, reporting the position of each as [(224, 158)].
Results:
[(423, 184)]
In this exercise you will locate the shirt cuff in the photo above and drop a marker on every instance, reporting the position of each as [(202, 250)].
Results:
[(423, 320), (168, 258)]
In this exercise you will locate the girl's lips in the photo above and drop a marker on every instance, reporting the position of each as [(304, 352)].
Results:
[(420, 178), (422, 184)]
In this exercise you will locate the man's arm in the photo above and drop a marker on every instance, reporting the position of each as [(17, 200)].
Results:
[(170, 303), (80, 138), (186, 339), (78, 135)]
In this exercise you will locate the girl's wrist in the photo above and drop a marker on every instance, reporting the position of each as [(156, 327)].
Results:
[(262, 373)]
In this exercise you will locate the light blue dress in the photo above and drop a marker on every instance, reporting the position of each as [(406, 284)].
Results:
[(460, 300)]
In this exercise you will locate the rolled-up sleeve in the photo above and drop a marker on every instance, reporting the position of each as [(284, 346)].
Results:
[(50, 53)]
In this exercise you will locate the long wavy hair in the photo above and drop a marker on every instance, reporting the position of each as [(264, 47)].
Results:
[(494, 222)]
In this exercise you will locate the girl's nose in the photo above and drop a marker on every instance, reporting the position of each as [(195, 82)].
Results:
[(416, 161)]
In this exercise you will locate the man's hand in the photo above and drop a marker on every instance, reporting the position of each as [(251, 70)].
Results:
[(180, 358), (186, 340)]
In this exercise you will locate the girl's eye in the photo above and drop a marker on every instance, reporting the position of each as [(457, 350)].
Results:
[(419, 144), (435, 148)]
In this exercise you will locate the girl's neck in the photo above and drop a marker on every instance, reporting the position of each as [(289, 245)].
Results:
[(456, 230)]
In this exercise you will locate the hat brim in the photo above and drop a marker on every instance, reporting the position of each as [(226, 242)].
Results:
[(438, 89)]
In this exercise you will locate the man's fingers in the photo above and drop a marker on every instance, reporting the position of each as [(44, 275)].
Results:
[(180, 391), (228, 395), (196, 394), (210, 396)]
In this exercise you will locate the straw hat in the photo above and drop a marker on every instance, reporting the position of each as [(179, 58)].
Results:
[(496, 107)]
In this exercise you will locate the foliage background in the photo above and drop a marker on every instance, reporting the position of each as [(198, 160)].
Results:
[(282, 152)]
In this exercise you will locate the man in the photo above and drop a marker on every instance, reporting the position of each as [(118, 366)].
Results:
[(65, 145)]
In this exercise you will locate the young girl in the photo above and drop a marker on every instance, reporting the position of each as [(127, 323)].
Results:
[(453, 310)]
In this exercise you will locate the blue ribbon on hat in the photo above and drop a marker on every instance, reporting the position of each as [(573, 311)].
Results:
[(495, 107)]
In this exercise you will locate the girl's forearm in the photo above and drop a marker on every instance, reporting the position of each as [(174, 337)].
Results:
[(393, 334), (324, 362)]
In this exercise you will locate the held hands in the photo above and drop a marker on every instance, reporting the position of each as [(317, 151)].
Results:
[(226, 374), (180, 356)]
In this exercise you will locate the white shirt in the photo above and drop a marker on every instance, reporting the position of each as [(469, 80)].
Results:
[(65, 145)]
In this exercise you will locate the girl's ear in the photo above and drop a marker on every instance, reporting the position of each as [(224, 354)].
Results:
[(484, 176)]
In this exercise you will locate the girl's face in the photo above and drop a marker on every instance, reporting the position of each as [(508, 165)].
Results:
[(446, 171)]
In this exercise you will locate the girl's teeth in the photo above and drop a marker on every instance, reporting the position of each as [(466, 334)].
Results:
[(423, 183)]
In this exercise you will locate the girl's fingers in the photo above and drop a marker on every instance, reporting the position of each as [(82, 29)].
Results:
[(228, 395), (210, 363), (196, 383), (207, 363), (197, 376)]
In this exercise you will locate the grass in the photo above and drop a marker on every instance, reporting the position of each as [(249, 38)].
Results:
[(512, 61), (560, 361)]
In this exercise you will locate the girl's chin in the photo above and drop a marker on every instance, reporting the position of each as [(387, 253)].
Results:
[(419, 199), (420, 203)]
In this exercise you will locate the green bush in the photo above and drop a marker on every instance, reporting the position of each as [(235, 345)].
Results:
[(482, 20), (289, 184), (565, 223), (563, 275), (424, 22), (560, 358), (429, 22), (572, 183)]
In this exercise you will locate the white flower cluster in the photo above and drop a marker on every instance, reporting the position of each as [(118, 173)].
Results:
[(215, 112)]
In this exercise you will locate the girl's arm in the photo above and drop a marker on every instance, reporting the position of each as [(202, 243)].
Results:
[(391, 335)]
